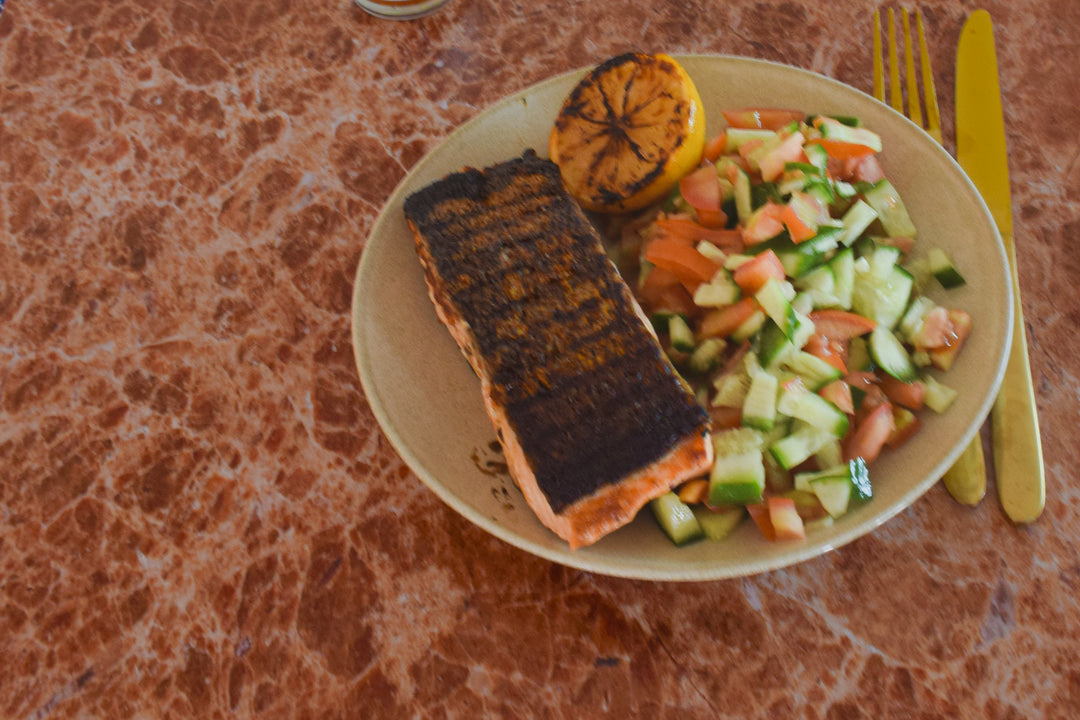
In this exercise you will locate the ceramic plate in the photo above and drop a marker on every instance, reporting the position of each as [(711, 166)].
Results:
[(427, 400)]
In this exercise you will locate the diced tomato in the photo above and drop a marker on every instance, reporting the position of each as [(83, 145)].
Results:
[(786, 522), (757, 271), (685, 229), (903, 244), (870, 434), (765, 223), (843, 150), (694, 491), (935, 331), (905, 425), (748, 147), (942, 358), (841, 324), (833, 352), (761, 118), (798, 229), (789, 150), (701, 189), (872, 398), (690, 266), (715, 147), (864, 168), (910, 395), (759, 513), (724, 417), (723, 321), (661, 290), (838, 393)]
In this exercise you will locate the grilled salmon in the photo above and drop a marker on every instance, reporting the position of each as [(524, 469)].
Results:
[(593, 418)]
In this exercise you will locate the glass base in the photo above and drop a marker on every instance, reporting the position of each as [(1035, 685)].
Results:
[(404, 10)]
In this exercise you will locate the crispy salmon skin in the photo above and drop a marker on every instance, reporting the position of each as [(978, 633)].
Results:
[(593, 418)]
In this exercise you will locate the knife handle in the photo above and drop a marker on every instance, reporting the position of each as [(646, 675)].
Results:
[(1018, 458)]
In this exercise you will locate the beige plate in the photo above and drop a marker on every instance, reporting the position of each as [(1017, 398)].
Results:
[(428, 401)]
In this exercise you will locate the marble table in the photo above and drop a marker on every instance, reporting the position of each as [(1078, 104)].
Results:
[(199, 515)]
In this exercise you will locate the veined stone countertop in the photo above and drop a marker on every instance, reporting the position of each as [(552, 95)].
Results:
[(199, 515)]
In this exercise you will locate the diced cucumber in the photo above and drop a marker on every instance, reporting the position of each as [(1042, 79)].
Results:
[(738, 472), (814, 410), (719, 291), (939, 396), (815, 372), (817, 156), (682, 337), (882, 299), (718, 524), (843, 269), (798, 446), (736, 137), (731, 389), (710, 251), (890, 355), (834, 129), (837, 485), (706, 356), (886, 202), (883, 259), (759, 407), (676, 519), (773, 346), (829, 454), (744, 208), (857, 218), (773, 299), (749, 326), (942, 267), (834, 493), (859, 355)]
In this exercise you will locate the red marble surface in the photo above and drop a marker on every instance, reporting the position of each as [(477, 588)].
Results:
[(199, 516)]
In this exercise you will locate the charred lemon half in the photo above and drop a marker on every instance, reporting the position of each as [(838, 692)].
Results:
[(627, 132)]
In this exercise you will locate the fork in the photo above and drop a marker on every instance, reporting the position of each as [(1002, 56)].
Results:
[(966, 479)]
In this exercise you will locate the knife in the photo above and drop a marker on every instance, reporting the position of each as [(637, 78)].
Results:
[(981, 151)]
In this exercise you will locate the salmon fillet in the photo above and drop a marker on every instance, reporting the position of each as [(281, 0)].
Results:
[(593, 419)]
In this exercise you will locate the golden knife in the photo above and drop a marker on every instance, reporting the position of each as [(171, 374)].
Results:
[(981, 151)]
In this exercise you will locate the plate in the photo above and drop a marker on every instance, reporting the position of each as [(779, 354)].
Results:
[(427, 399)]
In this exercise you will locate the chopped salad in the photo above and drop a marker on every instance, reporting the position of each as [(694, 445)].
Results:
[(779, 276)]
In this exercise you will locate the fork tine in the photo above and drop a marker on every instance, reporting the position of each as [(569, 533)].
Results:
[(896, 96), (933, 117), (914, 108), (879, 70)]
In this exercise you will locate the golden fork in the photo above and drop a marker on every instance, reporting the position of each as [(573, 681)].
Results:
[(966, 479)]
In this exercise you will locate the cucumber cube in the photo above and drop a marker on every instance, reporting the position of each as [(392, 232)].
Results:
[(676, 519)]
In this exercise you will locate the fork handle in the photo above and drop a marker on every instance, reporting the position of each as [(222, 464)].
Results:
[(1018, 457)]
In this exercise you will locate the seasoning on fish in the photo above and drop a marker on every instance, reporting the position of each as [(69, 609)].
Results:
[(593, 418)]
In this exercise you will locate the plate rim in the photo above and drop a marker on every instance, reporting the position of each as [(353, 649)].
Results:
[(600, 564)]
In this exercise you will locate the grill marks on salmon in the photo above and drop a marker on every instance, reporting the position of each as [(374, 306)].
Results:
[(593, 418)]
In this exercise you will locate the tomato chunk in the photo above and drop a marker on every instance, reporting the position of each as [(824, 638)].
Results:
[(760, 515), (910, 395), (843, 150), (841, 324), (685, 229), (690, 266), (755, 272), (701, 189), (726, 320), (870, 434), (762, 118), (785, 519)]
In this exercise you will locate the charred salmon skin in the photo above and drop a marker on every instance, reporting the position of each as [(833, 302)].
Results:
[(593, 418)]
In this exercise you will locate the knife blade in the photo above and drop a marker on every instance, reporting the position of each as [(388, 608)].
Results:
[(981, 150)]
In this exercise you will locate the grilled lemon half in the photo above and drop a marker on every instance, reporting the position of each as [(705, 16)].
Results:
[(627, 132)]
